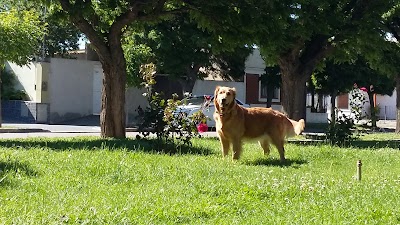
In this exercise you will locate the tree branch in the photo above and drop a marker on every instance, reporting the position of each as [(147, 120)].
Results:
[(294, 52), (125, 19), (88, 29), (316, 50), (394, 27), (313, 47), (159, 7), (152, 16), (95, 19), (318, 57), (357, 10)]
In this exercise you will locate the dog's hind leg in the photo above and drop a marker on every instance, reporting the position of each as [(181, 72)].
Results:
[(279, 144), (264, 143), (237, 148), (225, 145)]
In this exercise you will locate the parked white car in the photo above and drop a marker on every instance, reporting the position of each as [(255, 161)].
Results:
[(205, 103)]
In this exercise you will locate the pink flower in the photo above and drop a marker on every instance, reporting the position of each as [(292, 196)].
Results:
[(364, 89), (202, 127)]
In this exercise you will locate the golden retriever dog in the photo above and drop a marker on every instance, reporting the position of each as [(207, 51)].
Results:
[(235, 123)]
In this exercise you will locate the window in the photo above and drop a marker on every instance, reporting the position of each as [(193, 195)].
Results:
[(276, 95)]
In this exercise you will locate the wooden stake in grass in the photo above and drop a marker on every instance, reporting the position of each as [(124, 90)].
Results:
[(359, 164)]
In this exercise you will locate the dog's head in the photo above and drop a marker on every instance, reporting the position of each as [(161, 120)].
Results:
[(224, 99)]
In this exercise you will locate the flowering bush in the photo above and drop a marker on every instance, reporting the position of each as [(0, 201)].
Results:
[(358, 100), (202, 127)]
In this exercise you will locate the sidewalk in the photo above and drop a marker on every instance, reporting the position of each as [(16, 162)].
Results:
[(387, 124)]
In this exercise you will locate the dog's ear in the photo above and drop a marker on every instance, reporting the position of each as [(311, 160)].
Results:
[(215, 98), (216, 91), (233, 92)]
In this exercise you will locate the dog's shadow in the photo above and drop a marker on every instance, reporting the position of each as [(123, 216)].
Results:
[(295, 163)]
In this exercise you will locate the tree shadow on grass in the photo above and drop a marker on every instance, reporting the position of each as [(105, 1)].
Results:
[(9, 167), (362, 144), (395, 144), (139, 145), (295, 163)]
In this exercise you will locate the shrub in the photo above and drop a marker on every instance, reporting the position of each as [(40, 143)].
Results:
[(162, 118), (341, 131), (8, 91)]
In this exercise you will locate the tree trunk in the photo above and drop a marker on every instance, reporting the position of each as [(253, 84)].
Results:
[(297, 65), (294, 95), (108, 47), (270, 93), (333, 107), (187, 85), (312, 99), (320, 103), (1, 114), (372, 109), (187, 82), (398, 103), (112, 116)]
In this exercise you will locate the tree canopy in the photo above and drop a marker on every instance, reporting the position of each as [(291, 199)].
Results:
[(61, 36), (295, 35), (186, 53), (20, 33), (299, 35)]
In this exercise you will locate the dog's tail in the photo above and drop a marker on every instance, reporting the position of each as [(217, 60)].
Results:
[(297, 127)]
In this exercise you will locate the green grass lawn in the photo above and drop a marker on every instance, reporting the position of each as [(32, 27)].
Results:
[(93, 181)]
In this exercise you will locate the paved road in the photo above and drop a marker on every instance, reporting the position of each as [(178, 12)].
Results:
[(91, 128), (15, 130)]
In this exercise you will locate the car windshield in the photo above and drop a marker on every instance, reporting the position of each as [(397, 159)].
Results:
[(193, 101), (199, 100)]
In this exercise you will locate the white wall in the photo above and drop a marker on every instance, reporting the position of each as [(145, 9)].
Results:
[(70, 88), (387, 106), (313, 117), (26, 76), (254, 63), (97, 82), (134, 99), (207, 87)]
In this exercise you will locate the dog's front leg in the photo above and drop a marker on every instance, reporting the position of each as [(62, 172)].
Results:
[(225, 145), (237, 148)]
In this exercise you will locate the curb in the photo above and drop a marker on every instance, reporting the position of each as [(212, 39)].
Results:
[(22, 130)]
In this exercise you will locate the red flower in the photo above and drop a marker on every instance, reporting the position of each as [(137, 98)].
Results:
[(202, 127), (364, 89)]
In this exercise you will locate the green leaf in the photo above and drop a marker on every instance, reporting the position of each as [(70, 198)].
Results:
[(20, 33)]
